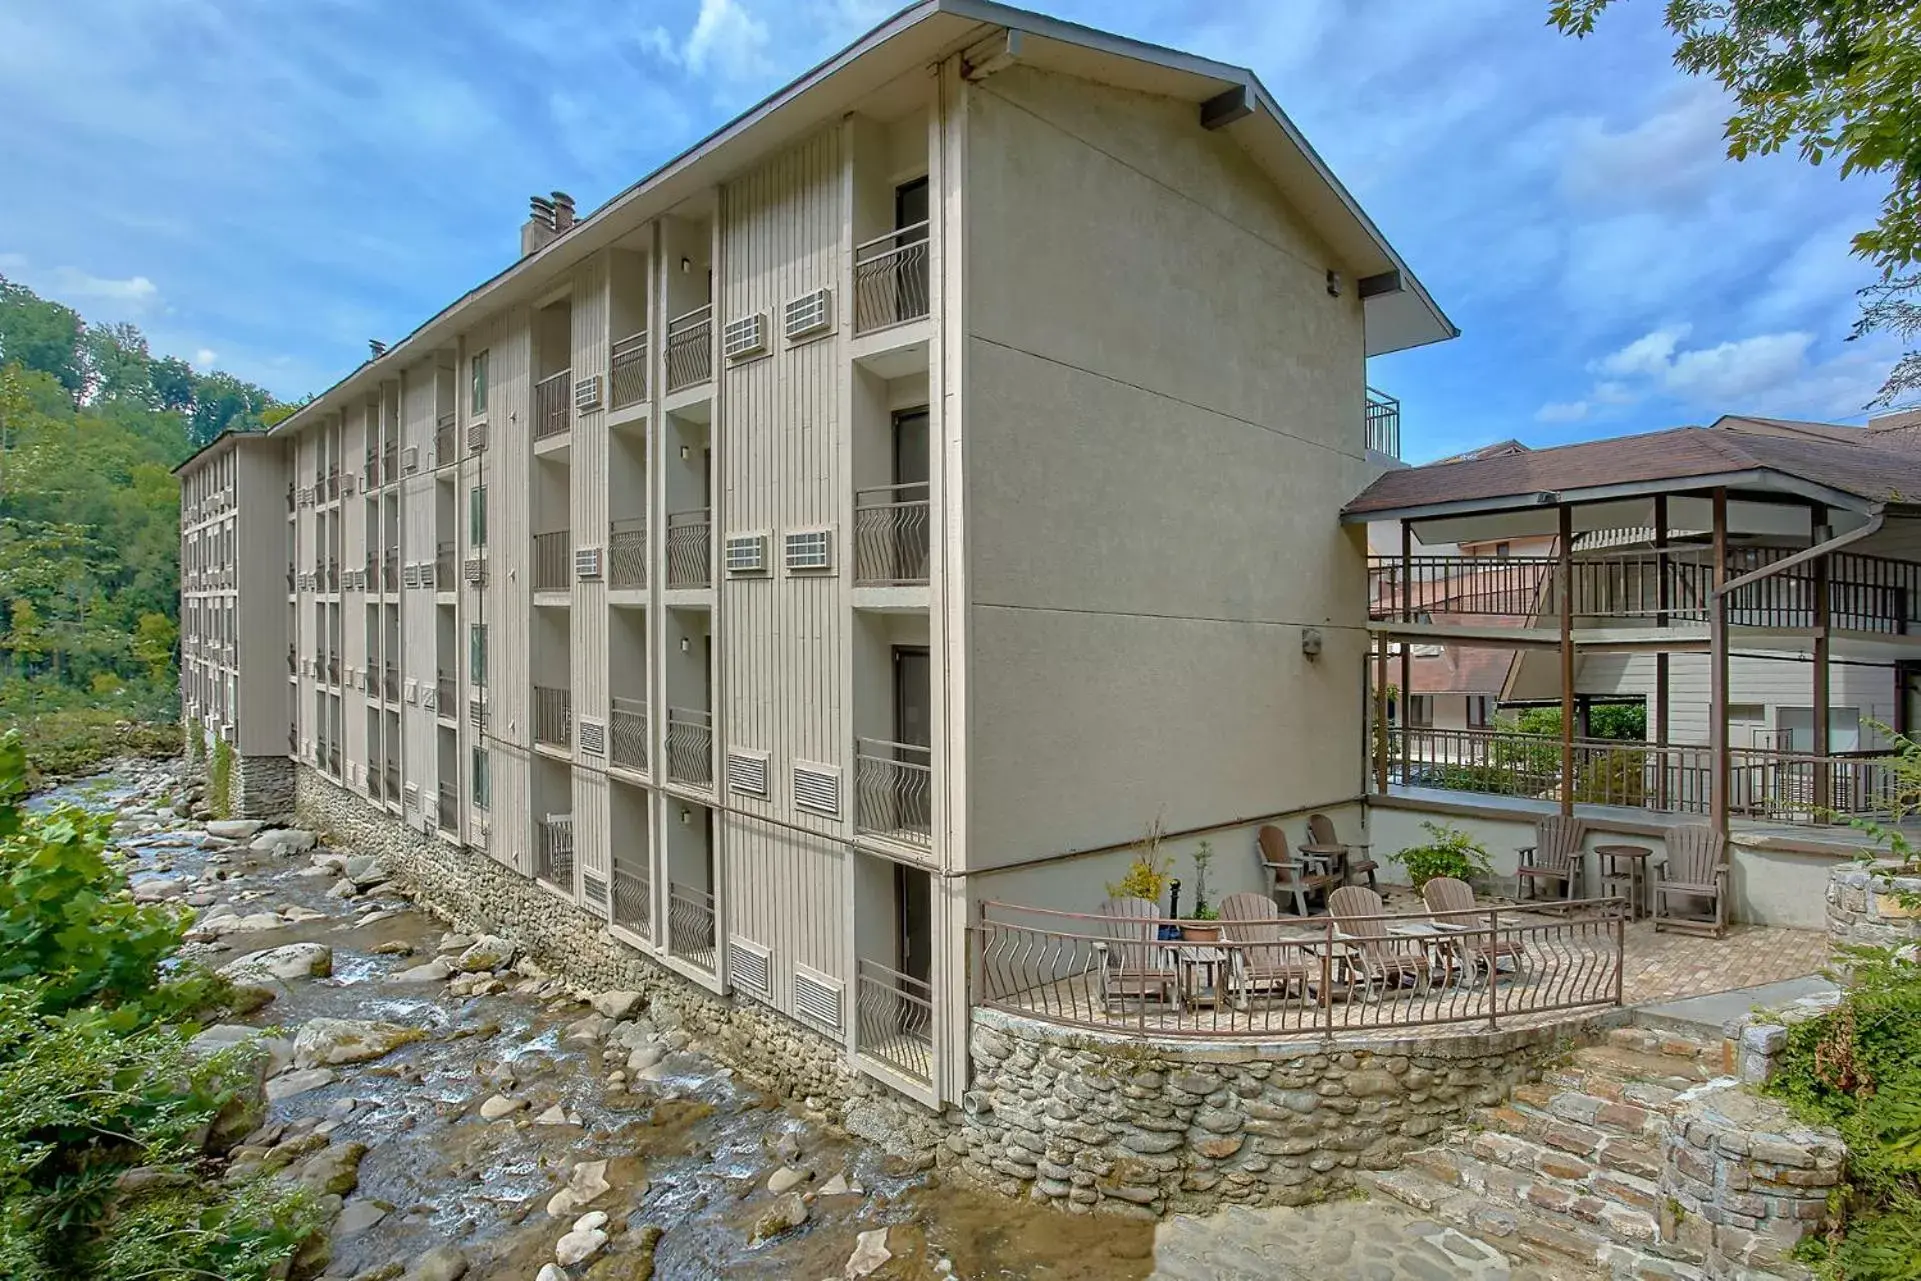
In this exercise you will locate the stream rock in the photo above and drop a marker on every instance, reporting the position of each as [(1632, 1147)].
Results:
[(286, 1087), (284, 842), (869, 1256), (234, 829), (365, 871), (438, 970), (616, 1005), (786, 1213), (786, 1179), (588, 1238), (499, 1105), (332, 1171), (327, 1042), (488, 952), (293, 961), (442, 1263), (587, 1184)]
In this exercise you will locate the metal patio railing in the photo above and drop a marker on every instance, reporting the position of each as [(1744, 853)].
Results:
[(891, 535), (893, 791), (890, 278)]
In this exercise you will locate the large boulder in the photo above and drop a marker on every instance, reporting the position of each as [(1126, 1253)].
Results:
[(330, 1042), (294, 961), (437, 970), (442, 1263), (365, 871), (284, 841), (234, 829), (787, 1212), (488, 952)]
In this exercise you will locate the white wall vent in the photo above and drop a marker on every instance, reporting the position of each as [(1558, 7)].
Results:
[(746, 554), (410, 798), (429, 697), (809, 550), (410, 458), (808, 314), (347, 483), (817, 997), (587, 562), (593, 887), (476, 570), (413, 690), (477, 713), (427, 573), (591, 736), (410, 575), (587, 393), (817, 788), (750, 967), (746, 772), (744, 337)]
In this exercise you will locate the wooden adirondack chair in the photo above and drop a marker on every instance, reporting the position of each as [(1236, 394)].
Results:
[(1320, 830), (1381, 962), (1288, 874), (1445, 894), (1556, 855), (1136, 965), (1264, 958), (1695, 867)]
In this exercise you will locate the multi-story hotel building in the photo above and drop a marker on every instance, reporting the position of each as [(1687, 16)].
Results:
[(894, 503)]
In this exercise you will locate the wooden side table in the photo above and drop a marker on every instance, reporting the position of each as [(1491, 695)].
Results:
[(1626, 866)]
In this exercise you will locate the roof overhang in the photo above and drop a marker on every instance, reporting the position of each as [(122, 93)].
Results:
[(1754, 484), (219, 442), (1398, 309)]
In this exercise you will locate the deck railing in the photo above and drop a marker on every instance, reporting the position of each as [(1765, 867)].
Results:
[(553, 405), (627, 733), (553, 561), (446, 567), (690, 746), (893, 791), (627, 371), (394, 792), (446, 696), (690, 924), (390, 570), (633, 905), (448, 817), (895, 1020), (1383, 424), (627, 553), (446, 441), (390, 682), (553, 716), (1488, 966), (690, 548), (890, 278), (890, 535), (554, 851), (690, 348)]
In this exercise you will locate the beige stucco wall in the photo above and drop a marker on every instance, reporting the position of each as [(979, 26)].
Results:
[(1163, 419)]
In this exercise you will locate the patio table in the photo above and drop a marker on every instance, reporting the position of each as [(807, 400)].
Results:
[(1203, 972), (1440, 942), (1626, 865)]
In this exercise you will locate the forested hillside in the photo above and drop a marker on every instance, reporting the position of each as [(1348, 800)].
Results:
[(91, 424)]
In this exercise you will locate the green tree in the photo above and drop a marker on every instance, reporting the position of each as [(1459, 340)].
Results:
[(154, 637), (40, 335), (1831, 78)]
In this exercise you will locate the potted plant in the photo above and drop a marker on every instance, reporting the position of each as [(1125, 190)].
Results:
[(1199, 927), (1448, 852), (1149, 874)]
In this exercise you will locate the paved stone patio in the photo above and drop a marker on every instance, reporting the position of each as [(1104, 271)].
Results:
[(1662, 967), (1363, 1240)]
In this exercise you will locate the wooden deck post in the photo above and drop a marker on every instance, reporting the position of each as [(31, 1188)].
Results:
[(1823, 781), (1407, 650), (1566, 571), (1718, 668), (1380, 713), (1662, 601)]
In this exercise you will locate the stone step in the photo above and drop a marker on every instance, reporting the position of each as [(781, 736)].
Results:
[(1513, 1171), (1614, 1146), (1670, 1042), (1624, 1065)]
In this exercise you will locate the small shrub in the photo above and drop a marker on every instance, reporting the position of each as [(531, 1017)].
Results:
[(1148, 875), (220, 780), (1449, 852)]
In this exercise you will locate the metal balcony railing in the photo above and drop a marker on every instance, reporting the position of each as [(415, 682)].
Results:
[(627, 733), (894, 1020), (627, 371), (1383, 428), (893, 791), (553, 716), (390, 682), (690, 924), (690, 348), (690, 548), (627, 553), (449, 813), (446, 440), (390, 464), (446, 696), (890, 535), (446, 568), (890, 279), (633, 906), (392, 772), (690, 746), (390, 570), (554, 851), (333, 759), (370, 472), (333, 669), (373, 780), (553, 407), (553, 564)]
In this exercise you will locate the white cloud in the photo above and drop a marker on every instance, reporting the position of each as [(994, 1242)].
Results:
[(135, 293), (1650, 354), (1735, 371), (1670, 157), (730, 41), (1562, 411), (203, 359)]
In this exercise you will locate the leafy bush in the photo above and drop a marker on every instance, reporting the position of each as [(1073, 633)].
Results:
[(220, 780), (69, 741), (1449, 852), (1148, 875)]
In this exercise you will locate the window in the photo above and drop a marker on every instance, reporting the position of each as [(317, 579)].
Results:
[(477, 515), (478, 399), (1420, 711), (1503, 550), (477, 653), (1480, 711), (483, 783)]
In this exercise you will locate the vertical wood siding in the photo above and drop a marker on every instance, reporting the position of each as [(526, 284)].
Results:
[(587, 518)]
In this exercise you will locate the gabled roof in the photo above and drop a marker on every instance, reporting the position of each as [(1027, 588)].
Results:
[(1399, 313), (226, 436), (1847, 466)]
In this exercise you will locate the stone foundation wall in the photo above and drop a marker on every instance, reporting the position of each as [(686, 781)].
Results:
[(1096, 1122), (1864, 908), (480, 895), (261, 787)]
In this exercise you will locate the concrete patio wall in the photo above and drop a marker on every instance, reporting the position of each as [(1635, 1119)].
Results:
[(1774, 882)]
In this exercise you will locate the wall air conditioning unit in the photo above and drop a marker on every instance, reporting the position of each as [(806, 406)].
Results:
[(429, 698), (477, 713), (817, 998), (410, 575), (587, 393), (591, 736), (817, 788), (476, 570), (750, 967), (809, 550), (744, 337), (808, 315), (410, 459), (593, 887), (476, 441), (413, 691), (410, 798), (747, 772), (746, 554), (429, 574), (586, 562)]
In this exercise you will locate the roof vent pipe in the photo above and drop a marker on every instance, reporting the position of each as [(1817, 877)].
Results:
[(538, 231), (563, 211), (377, 347)]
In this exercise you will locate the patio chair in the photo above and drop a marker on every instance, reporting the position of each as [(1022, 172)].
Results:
[(1262, 958), (1556, 855), (1480, 947), (1695, 867), (1136, 964), (1382, 961), (1287, 873), (1354, 859)]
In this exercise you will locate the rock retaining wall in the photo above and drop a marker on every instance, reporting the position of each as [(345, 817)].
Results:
[(1096, 1122), (261, 787), (480, 895), (1865, 909)]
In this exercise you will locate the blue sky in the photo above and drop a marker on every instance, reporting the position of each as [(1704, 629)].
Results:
[(264, 186)]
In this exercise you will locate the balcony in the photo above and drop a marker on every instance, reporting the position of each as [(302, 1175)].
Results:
[(447, 696), (690, 348), (448, 817), (690, 746), (446, 567), (627, 372), (370, 473), (627, 733), (446, 440), (333, 575), (690, 548), (553, 563), (1383, 424), (690, 924), (633, 888), (390, 464), (374, 789), (553, 716), (890, 536), (627, 554), (333, 669), (553, 406), (893, 792), (394, 792), (890, 279), (894, 1015), (554, 851), (333, 759), (390, 682), (390, 570)]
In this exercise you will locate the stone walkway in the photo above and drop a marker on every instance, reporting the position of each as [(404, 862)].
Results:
[(1334, 1241), (1663, 967)]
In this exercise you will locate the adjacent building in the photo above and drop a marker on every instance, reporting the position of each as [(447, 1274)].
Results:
[(898, 502)]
